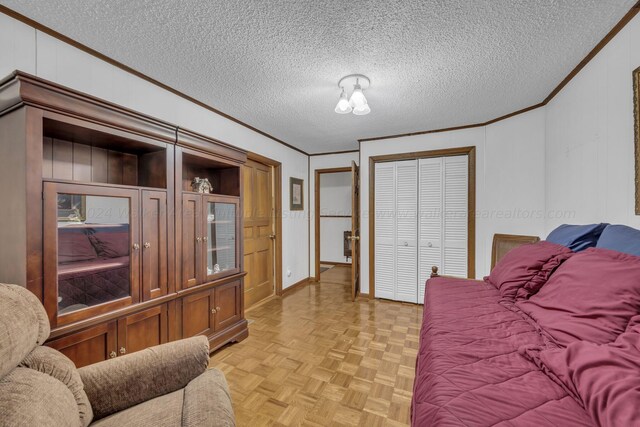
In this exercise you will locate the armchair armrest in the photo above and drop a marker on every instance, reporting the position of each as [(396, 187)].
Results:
[(117, 384)]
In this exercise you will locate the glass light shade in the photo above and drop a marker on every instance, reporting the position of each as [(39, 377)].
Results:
[(343, 106), (357, 99), (362, 111)]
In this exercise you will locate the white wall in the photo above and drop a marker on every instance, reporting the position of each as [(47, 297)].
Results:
[(589, 137), (323, 162), (509, 179), (335, 199), (32, 51)]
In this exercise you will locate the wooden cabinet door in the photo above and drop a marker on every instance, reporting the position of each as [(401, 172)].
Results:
[(220, 229), (198, 314), (154, 244), (142, 330), (89, 346), (228, 299), (191, 240)]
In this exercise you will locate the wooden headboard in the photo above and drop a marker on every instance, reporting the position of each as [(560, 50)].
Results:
[(503, 243)]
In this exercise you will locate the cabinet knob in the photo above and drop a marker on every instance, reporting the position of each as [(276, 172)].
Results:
[(217, 308), (429, 244), (213, 311), (198, 239), (113, 355), (406, 243), (136, 246), (205, 238), (147, 245), (123, 350)]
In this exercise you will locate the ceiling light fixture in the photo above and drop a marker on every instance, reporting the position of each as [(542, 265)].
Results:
[(357, 103), (343, 107)]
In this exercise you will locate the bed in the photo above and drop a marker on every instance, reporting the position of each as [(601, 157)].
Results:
[(469, 369), (550, 337)]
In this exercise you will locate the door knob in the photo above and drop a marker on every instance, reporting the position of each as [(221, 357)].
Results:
[(272, 236), (205, 238), (136, 246), (217, 308), (354, 237), (198, 239), (147, 245), (113, 355), (213, 311), (123, 350)]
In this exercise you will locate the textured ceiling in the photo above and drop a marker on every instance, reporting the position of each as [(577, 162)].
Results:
[(275, 64)]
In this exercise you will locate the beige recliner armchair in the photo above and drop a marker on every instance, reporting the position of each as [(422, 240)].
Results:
[(167, 385)]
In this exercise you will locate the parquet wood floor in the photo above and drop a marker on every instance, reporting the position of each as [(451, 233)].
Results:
[(315, 358)]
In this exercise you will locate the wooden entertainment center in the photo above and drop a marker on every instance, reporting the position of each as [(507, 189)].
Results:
[(100, 221)]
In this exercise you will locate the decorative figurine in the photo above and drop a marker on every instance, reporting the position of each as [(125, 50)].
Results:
[(201, 185)]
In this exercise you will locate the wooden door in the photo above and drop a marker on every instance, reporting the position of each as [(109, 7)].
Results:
[(355, 230), (142, 330), (92, 345), (154, 244), (191, 240), (259, 235), (198, 311), (228, 300)]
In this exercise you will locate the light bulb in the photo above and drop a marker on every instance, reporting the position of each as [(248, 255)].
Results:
[(362, 111), (343, 106), (357, 99)]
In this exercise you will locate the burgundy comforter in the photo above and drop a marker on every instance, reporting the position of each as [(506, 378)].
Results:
[(469, 371)]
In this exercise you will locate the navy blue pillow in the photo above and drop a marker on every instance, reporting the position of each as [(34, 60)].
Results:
[(577, 237), (620, 238)]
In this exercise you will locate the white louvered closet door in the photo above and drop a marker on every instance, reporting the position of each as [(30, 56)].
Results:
[(455, 197), (385, 230), (430, 219), (406, 230)]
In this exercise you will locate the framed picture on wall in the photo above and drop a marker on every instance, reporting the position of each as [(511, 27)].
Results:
[(636, 126), (296, 194)]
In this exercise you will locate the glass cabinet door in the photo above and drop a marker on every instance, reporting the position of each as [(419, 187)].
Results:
[(94, 255), (220, 238)]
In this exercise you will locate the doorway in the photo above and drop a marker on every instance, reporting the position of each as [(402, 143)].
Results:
[(337, 231), (262, 209)]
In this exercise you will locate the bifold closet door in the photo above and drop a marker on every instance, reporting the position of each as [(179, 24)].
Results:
[(443, 218), (456, 215), (385, 230), (430, 220), (406, 231)]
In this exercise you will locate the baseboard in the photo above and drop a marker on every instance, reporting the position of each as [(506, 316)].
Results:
[(363, 296), (335, 263), (296, 285)]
